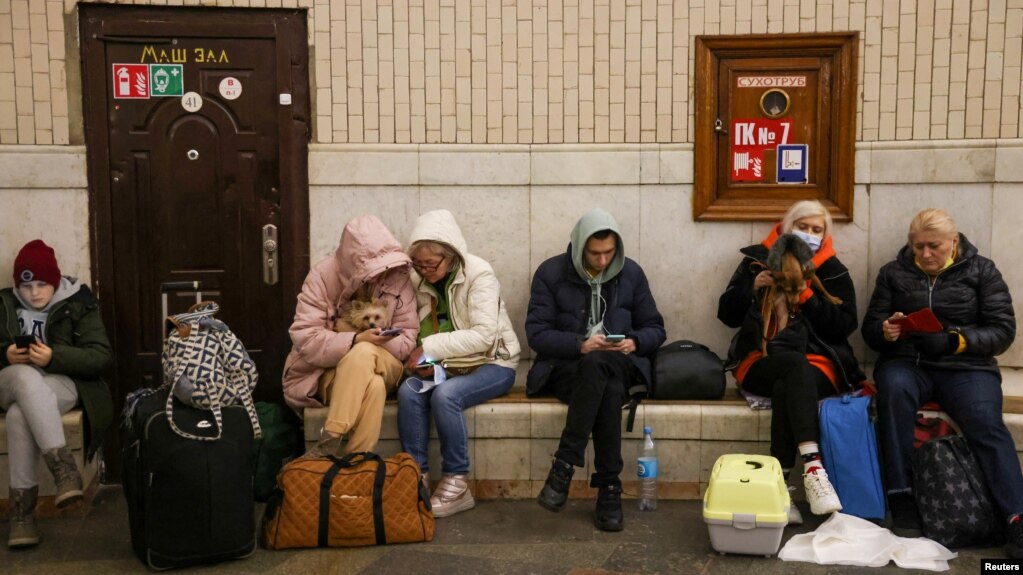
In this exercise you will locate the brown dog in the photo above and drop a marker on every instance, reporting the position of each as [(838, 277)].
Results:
[(362, 315), (790, 262), (363, 312)]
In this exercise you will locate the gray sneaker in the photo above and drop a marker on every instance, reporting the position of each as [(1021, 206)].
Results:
[(61, 464), (23, 518)]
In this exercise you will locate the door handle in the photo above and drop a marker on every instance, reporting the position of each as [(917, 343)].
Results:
[(270, 259)]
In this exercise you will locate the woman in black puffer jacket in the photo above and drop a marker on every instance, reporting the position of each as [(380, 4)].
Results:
[(941, 269), (808, 354)]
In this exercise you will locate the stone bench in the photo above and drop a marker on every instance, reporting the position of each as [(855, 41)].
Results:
[(512, 440), (74, 433)]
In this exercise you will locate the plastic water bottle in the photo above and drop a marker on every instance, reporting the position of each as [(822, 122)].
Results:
[(646, 470)]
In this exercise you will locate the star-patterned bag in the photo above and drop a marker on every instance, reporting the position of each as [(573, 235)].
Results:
[(955, 506)]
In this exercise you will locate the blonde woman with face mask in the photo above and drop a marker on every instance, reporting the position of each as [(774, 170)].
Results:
[(940, 269), (808, 355)]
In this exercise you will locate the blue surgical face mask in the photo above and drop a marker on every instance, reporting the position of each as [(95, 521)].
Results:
[(813, 241)]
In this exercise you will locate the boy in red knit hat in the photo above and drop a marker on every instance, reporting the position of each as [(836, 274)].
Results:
[(55, 348)]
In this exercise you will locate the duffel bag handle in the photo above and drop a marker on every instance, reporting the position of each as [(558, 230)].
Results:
[(354, 458), (339, 463)]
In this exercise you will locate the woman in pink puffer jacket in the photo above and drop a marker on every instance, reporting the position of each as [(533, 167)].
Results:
[(351, 372)]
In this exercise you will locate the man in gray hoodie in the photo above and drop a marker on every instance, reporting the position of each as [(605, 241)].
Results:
[(581, 302)]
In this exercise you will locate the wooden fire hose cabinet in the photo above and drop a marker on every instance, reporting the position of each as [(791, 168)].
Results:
[(775, 123)]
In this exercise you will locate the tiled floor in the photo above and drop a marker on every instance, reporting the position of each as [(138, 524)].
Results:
[(497, 537)]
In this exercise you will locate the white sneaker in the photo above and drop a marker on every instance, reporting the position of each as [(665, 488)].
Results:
[(820, 494), (452, 496)]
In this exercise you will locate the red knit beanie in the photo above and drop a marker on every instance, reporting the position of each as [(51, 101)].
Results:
[(36, 262)]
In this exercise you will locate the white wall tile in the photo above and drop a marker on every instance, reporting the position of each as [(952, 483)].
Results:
[(549, 166), (502, 420), (676, 165), (1006, 239), (933, 165), (43, 167), (60, 217), (487, 167), (331, 207), (1009, 161), (342, 165)]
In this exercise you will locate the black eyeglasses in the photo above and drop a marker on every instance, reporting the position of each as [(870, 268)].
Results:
[(422, 267)]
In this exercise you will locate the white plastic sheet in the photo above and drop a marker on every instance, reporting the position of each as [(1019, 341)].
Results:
[(847, 540)]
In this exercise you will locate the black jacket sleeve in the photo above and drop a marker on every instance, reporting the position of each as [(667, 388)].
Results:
[(738, 296), (878, 310), (647, 323), (833, 323), (995, 328), (541, 318)]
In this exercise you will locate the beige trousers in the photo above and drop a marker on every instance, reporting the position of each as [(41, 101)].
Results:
[(355, 392)]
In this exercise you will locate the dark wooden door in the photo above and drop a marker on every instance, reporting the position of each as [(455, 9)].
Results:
[(182, 183)]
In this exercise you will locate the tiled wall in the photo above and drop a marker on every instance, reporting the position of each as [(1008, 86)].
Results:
[(535, 71), (33, 87)]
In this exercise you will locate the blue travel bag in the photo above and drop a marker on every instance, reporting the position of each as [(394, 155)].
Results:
[(848, 445)]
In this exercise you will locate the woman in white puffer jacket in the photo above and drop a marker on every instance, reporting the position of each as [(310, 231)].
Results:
[(464, 324)]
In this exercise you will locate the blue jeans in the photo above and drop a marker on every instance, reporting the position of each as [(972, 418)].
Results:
[(973, 399), (447, 401)]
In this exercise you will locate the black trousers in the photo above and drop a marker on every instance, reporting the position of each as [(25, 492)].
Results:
[(794, 387), (595, 389)]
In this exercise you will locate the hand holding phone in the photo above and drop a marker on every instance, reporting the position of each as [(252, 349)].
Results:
[(425, 363), (23, 341), (390, 331), (614, 338)]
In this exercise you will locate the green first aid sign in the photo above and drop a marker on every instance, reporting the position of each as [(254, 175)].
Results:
[(166, 80)]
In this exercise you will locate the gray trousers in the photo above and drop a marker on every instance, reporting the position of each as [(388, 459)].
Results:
[(34, 401)]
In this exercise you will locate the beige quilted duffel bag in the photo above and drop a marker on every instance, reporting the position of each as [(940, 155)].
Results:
[(360, 499)]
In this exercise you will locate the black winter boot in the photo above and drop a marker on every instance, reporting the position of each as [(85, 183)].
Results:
[(609, 516), (555, 490)]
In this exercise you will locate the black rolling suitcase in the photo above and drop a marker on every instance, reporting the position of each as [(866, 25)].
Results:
[(190, 502)]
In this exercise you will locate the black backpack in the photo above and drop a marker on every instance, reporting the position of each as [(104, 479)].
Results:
[(955, 505), (687, 370)]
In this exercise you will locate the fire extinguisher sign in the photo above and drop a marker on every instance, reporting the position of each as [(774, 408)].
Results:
[(131, 81)]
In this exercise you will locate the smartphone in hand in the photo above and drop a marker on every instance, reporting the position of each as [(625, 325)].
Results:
[(390, 331), (423, 362), (23, 341), (614, 338)]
